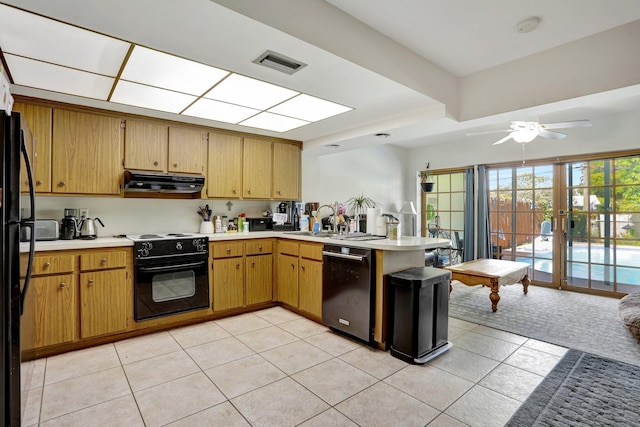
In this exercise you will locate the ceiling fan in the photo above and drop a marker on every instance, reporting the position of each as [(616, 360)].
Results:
[(523, 132)]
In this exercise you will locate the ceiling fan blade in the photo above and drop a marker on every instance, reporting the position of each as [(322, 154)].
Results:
[(506, 138), (565, 125), (487, 132), (551, 135)]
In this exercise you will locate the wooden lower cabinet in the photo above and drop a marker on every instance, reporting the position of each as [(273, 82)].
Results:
[(52, 302), (228, 283), (310, 287), (300, 276), (288, 279), (259, 279), (103, 302)]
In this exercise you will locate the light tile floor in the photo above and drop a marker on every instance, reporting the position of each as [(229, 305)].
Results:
[(275, 368)]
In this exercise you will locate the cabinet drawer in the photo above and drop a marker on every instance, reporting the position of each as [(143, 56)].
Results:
[(227, 249), (102, 260), (289, 247), (259, 247), (48, 264), (311, 250)]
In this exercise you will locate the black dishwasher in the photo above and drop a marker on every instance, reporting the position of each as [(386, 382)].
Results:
[(348, 291)]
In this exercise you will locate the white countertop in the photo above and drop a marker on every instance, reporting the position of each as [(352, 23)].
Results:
[(405, 243)]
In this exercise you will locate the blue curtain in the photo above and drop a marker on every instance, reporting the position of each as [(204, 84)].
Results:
[(469, 220), (484, 227)]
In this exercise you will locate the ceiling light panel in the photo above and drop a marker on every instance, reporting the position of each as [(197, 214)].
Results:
[(150, 97), (165, 71), (273, 122), (248, 92), (32, 36), (220, 111), (310, 108), (41, 75)]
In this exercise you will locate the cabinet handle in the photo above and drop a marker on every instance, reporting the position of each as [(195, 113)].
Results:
[(237, 265), (228, 250), (279, 192), (63, 285), (248, 191), (175, 164), (292, 265), (233, 190), (156, 163), (302, 267), (46, 265), (38, 182), (253, 263), (62, 183), (91, 282), (259, 248), (103, 261)]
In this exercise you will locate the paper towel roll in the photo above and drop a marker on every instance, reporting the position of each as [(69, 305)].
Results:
[(372, 215), (381, 226)]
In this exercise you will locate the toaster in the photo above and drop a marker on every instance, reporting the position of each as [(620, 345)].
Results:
[(45, 229)]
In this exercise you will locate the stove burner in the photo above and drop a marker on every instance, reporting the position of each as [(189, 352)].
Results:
[(178, 235), (150, 236)]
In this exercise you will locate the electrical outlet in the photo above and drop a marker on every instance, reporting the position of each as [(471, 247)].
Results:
[(83, 212)]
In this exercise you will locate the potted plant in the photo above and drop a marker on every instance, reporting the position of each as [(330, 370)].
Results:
[(358, 205), (426, 179)]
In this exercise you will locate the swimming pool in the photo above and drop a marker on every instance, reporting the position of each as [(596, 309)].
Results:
[(623, 262)]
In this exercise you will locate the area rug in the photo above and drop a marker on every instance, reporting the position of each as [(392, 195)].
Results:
[(575, 320), (583, 390)]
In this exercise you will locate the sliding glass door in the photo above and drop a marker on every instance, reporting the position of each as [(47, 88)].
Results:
[(521, 210), (602, 236), (575, 223)]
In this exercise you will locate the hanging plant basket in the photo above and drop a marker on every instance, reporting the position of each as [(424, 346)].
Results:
[(427, 187)]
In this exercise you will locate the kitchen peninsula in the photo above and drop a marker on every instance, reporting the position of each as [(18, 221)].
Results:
[(390, 256)]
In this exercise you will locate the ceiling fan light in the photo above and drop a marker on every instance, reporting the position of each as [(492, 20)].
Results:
[(524, 135)]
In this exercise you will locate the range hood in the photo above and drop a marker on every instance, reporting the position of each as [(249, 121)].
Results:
[(156, 182)]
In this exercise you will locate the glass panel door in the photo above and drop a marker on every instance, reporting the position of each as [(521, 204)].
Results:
[(521, 215), (602, 236)]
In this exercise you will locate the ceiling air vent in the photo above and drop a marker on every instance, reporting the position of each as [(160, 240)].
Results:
[(279, 62)]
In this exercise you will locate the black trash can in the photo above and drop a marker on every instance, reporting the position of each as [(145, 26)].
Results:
[(420, 313)]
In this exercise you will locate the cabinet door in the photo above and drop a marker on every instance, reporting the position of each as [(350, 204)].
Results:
[(187, 150), (86, 153), (52, 300), (288, 279), (103, 302), (146, 145), (286, 171), (228, 283), (224, 177), (256, 169), (259, 278), (311, 287), (38, 119)]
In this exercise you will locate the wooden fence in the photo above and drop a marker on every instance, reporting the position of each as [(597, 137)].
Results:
[(502, 216)]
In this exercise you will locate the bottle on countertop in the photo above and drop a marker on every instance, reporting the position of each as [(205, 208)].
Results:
[(296, 221)]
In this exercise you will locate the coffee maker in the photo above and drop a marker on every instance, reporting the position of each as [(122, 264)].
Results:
[(69, 224), (290, 208)]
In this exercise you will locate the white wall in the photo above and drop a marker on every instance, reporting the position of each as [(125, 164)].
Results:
[(141, 216), (378, 172)]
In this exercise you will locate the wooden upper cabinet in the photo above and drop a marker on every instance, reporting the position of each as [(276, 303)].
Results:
[(187, 150), (146, 145), (286, 171), (256, 169), (86, 153), (224, 177), (38, 119)]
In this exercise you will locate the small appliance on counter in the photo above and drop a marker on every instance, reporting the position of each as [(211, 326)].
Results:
[(69, 227), (45, 229), (260, 224), (88, 228), (292, 210)]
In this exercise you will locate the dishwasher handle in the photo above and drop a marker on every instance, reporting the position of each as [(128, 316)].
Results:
[(345, 256)]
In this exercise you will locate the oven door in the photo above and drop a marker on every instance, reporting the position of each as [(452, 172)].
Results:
[(170, 285)]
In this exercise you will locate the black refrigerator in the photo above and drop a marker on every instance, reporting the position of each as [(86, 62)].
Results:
[(14, 289)]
